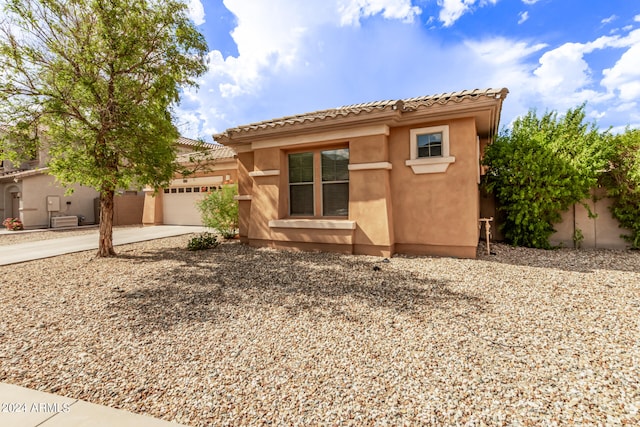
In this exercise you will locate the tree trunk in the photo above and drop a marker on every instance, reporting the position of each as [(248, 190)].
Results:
[(105, 244)]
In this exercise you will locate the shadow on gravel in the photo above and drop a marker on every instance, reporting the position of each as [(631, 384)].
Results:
[(575, 260), (208, 283)]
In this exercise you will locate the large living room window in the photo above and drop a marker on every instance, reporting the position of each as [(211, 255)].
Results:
[(319, 183)]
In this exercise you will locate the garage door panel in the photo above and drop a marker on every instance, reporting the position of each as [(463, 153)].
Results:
[(182, 208)]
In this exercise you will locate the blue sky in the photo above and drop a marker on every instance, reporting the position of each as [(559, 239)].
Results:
[(274, 58)]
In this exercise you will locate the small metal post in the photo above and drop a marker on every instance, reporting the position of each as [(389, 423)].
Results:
[(487, 231)]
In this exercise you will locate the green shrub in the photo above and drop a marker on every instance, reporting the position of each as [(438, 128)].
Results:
[(623, 181), (203, 241), (219, 210), (538, 169)]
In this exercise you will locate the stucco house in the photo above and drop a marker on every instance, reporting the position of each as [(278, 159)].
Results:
[(177, 203), (28, 192), (378, 178)]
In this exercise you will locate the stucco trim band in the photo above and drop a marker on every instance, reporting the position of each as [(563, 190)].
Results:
[(431, 165), (327, 224), (287, 141), (369, 166), (271, 172), (242, 197)]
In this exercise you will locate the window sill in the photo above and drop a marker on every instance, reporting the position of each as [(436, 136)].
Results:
[(433, 165), (323, 224), (271, 172)]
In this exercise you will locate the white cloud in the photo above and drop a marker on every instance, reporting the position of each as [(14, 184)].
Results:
[(196, 12), (624, 77), (524, 16), (563, 70), (503, 51), (503, 62), (530, 2), (351, 11), (636, 18), (564, 77), (609, 19), (452, 10)]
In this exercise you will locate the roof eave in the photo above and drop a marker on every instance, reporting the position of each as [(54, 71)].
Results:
[(231, 137), (485, 106)]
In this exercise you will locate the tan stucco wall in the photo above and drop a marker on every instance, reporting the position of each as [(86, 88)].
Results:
[(603, 231), (393, 208), (152, 207), (370, 201), (245, 188), (33, 203), (440, 209), (128, 209)]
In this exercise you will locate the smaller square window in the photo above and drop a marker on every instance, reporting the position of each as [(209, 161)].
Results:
[(189, 189), (174, 190), (429, 150), (180, 190), (166, 191), (196, 189), (430, 144)]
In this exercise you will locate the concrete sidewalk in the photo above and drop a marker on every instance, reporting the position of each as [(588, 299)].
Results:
[(21, 252), (23, 407)]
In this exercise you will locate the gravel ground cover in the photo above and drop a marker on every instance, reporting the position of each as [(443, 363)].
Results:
[(243, 336)]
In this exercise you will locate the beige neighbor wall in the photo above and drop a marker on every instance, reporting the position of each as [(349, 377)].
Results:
[(601, 232), (33, 203), (392, 208), (437, 214)]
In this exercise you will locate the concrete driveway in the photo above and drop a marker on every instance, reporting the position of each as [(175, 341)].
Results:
[(21, 252)]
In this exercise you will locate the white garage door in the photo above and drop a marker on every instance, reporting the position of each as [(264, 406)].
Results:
[(180, 200)]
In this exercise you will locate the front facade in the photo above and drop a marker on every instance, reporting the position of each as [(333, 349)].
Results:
[(378, 178)]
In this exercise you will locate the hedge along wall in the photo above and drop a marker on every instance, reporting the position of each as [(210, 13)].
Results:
[(601, 232)]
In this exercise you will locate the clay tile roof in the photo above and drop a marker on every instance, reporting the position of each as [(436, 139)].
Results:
[(408, 104), (188, 142), (216, 152), (21, 173)]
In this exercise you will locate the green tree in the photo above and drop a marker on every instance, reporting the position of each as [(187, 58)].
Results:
[(220, 210), (96, 81), (541, 167), (623, 181)]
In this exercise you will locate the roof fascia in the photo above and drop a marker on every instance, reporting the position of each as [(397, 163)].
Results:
[(365, 123)]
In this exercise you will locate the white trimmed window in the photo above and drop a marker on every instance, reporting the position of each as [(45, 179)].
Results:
[(319, 183), (429, 150)]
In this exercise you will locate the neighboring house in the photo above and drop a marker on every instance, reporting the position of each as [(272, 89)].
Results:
[(377, 178), (177, 203), (28, 192)]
